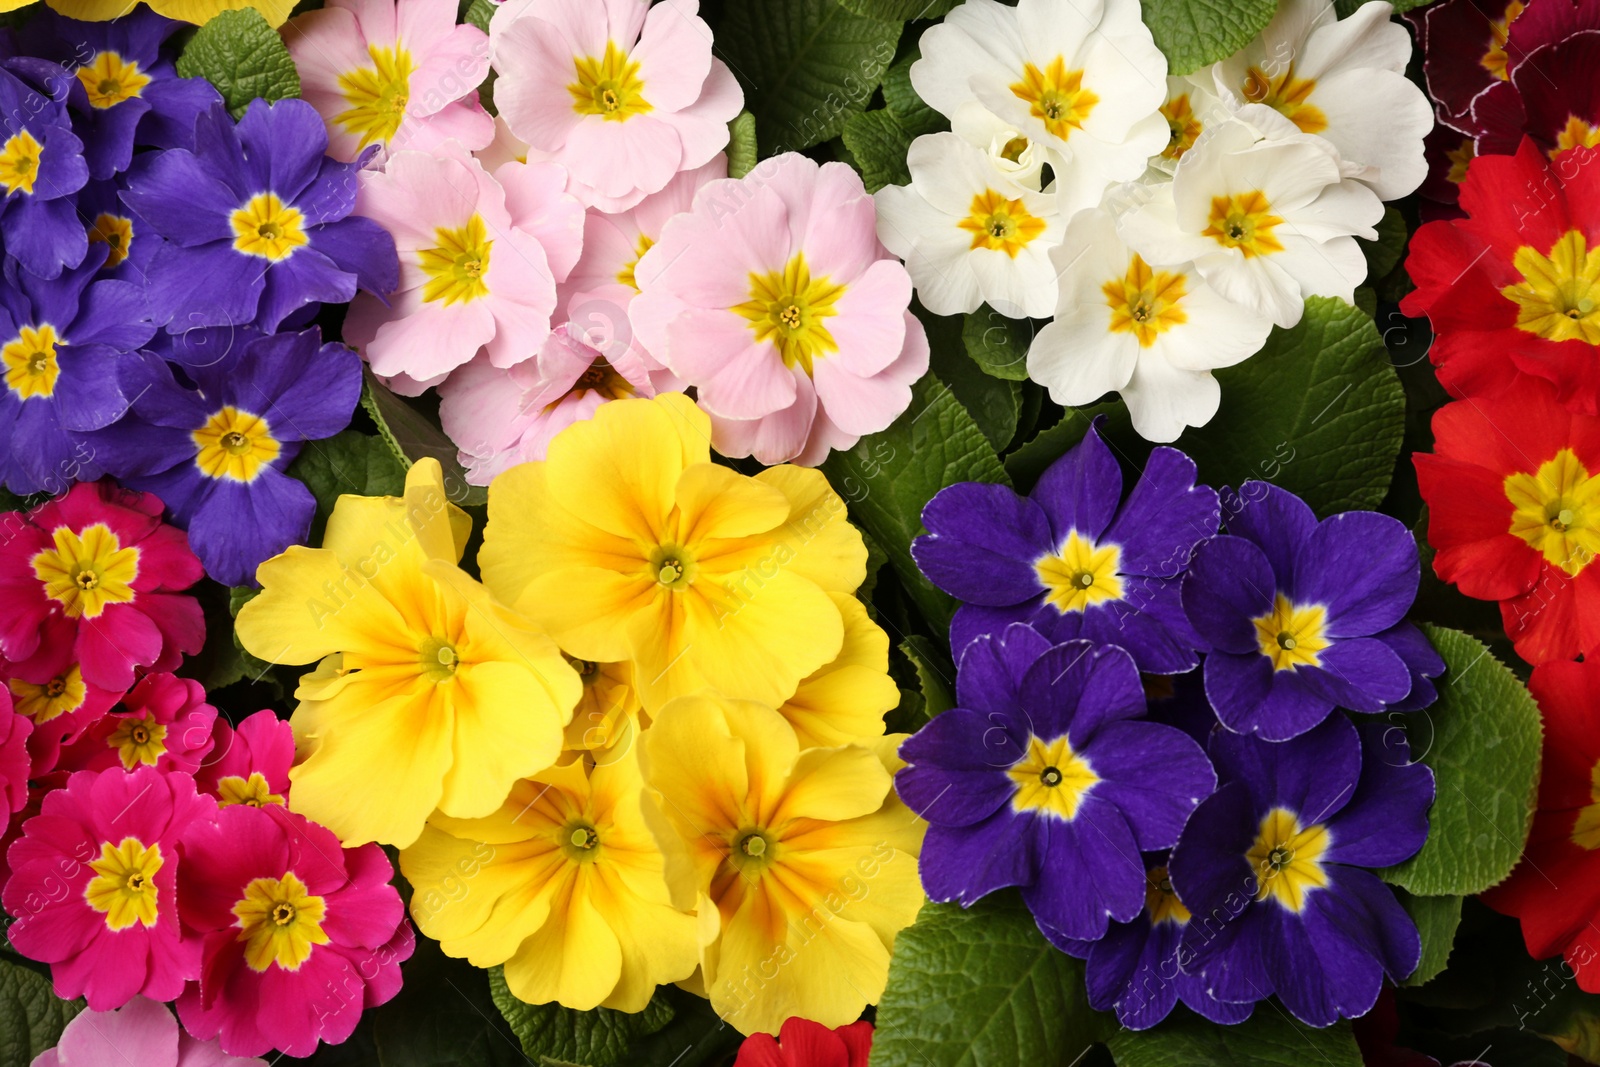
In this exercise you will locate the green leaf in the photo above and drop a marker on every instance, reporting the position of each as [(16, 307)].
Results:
[(1482, 740), (243, 56), (350, 462), (695, 1037), (551, 1033), (878, 142), (411, 435), (1437, 919), (903, 99), (743, 149), (888, 477), (993, 403), (980, 986), (1383, 255), (1345, 8), (31, 1015), (1195, 33), (997, 344), (806, 65), (478, 14), (935, 674), (900, 9), (1318, 411), (1269, 1038), (1027, 463)]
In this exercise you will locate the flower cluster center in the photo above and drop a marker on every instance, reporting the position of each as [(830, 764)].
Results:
[(609, 86), (109, 80), (139, 740), (19, 162), (377, 95), (1160, 901), (1183, 124), (1244, 221), (234, 445), (1080, 575), (1051, 778), (1495, 60), (1558, 297), (789, 309), (279, 922), (1286, 858), (1056, 96), (86, 572), (456, 268), (1291, 635), (1001, 224), (123, 888), (1145, 302), (116, 233), (1555, 511), (1287, 95), (30, 361), (62, 694), (267, 227), (254, 791)]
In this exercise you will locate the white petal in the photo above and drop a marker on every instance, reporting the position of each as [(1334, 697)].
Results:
[(1216, 333), (1325, 268), (1262, 284), (1079, 359), (1163, 400), (1366, 40), (1379, 119)]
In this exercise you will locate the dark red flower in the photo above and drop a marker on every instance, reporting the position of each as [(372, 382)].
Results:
[(1550, 94), (803, 1043), (1464, 45)]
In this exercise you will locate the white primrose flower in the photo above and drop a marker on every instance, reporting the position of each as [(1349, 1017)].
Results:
[(1011, 151), (1152, 334), (969, 234), (1266, 221), (1343, 79), (1083, 79)]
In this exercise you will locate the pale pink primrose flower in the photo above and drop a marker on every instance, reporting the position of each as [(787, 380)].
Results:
[(500, 418), (480, 256), (141, 1033), (774, 298), (622, 94), (395, 73)]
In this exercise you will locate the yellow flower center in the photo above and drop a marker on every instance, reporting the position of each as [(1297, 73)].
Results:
[(602, 378), (455, 269), (62, 694), (253, 791), (116, 233), (1051, 778), (267, 227), (1184, 124), (234, 445), (1160, 901), (279, 922), (109, 79), (139, 740), (1056, 96), (86, 572), (1244, 221), (1460, 157), (626, 275), (377, 95), (30, 362), (787, 308), (1001, 225), (671, 567), (1559, 295), (579, 841), (1287, 95), (1080, 574), (438, 659), (1145, 303), (1286, 859), (1291, 636), (1577, 134), (124, 886), (609, 86), (19, 162), (1554, 510), (1586, 827), (752, 849), (1494, 60)]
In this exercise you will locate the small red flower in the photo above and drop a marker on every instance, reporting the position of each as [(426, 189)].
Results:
[(164, 722), (1555, 890), (1513, 494), (1512, 289), (803, 1043)]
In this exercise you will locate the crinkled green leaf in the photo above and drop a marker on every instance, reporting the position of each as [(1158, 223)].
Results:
[(936, 676), (888, 477), (349, 462), (1437, 919), (743, 150), (997, 344), (1383, 255), (878, 142), (551, 1033), (695, 1037), (806, 65), (902, 98), (900, 9), (1318, 411), (243, 56), (412, 435), (994, 403), (478, 13), (1195, 33), (979, 987), (1482, 740), (1269, 1038), (31, 1015)]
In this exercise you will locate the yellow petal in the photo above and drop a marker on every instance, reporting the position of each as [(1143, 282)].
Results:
[(200, 12), (833, 785), (657, 941), (846, 700), (716, 502), (590, 610), (442, 528), (574, 959), (827, 549), (478, 900), (506, 727), (691, 756), (378, 766), (618, 469), (310, 607)]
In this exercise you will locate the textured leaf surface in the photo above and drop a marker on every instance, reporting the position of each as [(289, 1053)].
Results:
[(997, 344), (31, 1015), (995, 404), (743, 150), (806, 65), (1437, 919), (1195, 33), (982, 987), (900, 9), (888, 477), (243, 57), (595, 1038), (1269, 1038), (1482, 740), (349, 462)]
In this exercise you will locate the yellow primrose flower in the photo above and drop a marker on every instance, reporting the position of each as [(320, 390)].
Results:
[(845, 701), (563, 884), (199, 12), (608, 717), (802, 864), (628, 543), (428, 694)]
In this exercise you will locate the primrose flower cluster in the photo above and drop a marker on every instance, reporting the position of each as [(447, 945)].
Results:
[(1165, 224), (1506, 275), (1187, 837)]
